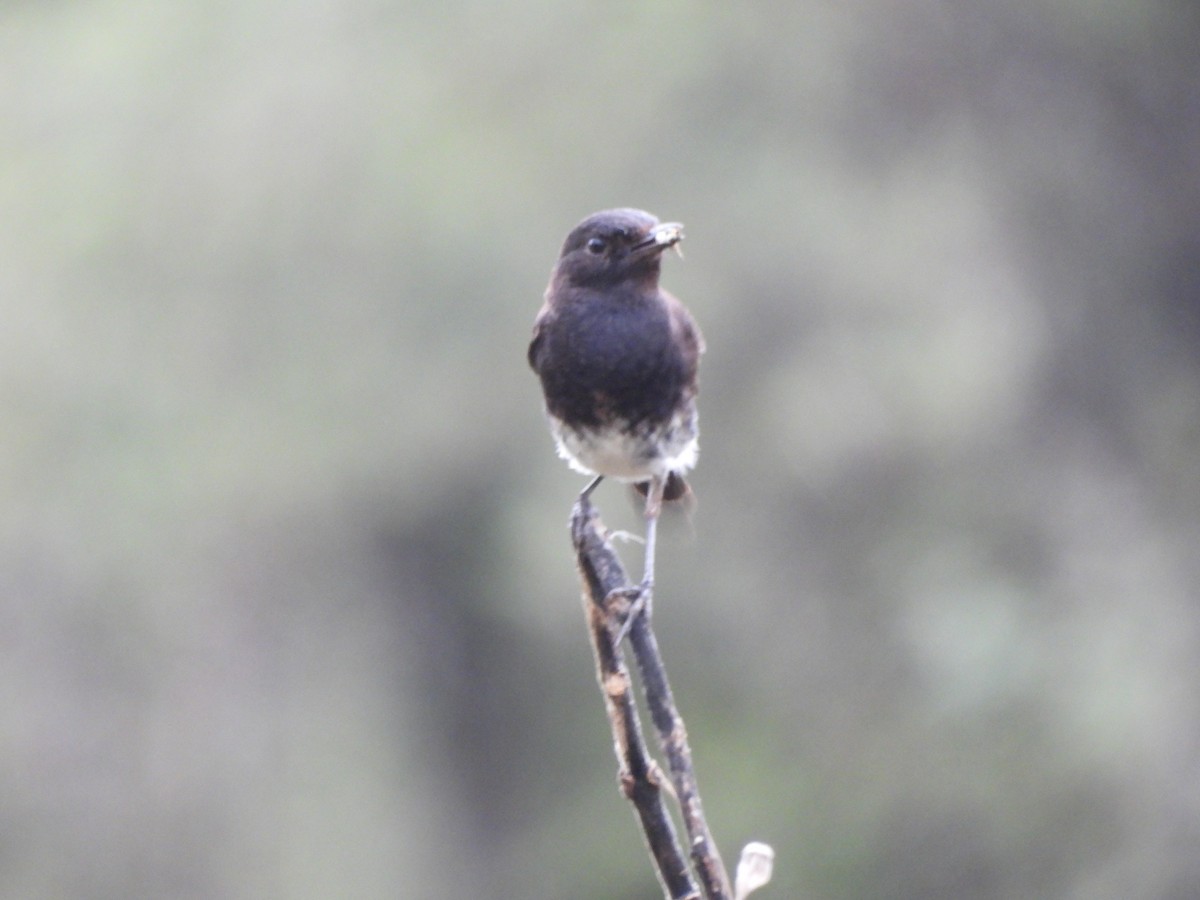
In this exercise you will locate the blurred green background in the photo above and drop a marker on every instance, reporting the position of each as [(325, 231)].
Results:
[(287, 605)]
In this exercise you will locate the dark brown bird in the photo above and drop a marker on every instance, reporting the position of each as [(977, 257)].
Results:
[(618, 359)]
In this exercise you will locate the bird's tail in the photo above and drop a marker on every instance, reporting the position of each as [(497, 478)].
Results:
[(679, 502), (676, 489)]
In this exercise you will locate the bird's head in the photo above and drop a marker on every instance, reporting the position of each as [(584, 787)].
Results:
[(616, 245)]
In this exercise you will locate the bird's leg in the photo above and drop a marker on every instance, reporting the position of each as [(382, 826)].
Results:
[(643, 594), (587, 491), (585, 499)]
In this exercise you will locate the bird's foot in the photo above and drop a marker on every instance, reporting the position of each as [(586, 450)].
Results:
[(622, 535), (629, 602)]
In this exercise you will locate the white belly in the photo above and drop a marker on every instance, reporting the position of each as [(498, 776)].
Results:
[(629, 457)]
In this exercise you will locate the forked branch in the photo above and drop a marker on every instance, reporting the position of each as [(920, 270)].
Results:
[(602, 574)]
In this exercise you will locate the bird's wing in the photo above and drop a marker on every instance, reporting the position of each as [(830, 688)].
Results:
[(536, 343), (683, 325)]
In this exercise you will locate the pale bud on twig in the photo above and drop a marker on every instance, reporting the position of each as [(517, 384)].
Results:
[(753, 870)]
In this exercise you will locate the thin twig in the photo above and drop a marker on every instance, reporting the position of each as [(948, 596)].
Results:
[(602, 574), (672, 736)]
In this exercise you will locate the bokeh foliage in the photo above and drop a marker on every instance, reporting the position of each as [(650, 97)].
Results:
[(286, 591)]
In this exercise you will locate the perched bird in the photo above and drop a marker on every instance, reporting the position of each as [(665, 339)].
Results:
[(618, 358)]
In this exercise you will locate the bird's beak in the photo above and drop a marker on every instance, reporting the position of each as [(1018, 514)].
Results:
[(662, 236), (668, 234)]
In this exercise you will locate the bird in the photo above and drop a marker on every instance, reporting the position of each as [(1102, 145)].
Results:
[(618, 358)]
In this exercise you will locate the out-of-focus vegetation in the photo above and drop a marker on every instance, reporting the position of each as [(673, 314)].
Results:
[(286, 597)]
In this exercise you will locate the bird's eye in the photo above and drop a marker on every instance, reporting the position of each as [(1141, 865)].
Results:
[(596, 246)]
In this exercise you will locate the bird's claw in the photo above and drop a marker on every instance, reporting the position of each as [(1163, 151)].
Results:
[(622, 535), (637, 602)]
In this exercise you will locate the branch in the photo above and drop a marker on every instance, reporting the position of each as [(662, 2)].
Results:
[(602, 574), (672, 737), (638, 774)]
